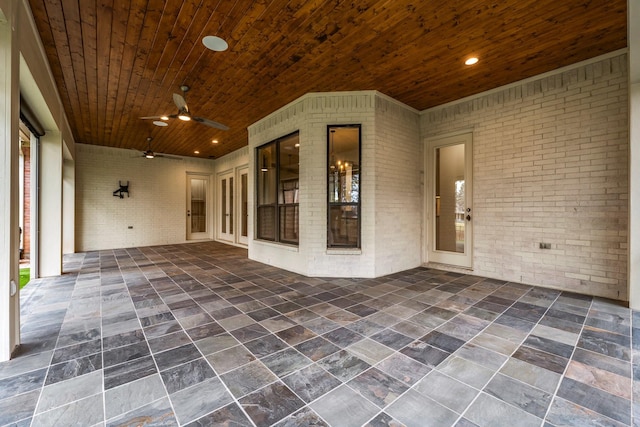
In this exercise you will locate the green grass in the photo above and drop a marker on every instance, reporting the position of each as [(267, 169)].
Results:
[(24, 276)]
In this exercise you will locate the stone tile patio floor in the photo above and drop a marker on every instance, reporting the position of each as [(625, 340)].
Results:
[(198, 335)]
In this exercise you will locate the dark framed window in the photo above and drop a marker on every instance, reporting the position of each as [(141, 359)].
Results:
[(278, 175), (343, 172)]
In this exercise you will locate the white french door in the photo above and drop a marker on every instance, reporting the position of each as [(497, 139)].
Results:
[(198, 206), (449, 200), (232, 208)]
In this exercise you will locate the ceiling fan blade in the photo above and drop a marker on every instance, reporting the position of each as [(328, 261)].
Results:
[(143, 155), (167, 156), (152, 117), (210, 123), (180, 102)]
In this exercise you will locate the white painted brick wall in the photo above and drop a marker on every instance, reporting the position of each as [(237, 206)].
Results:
[(398, 187), (156, 207), (550, 165), (385, 123)]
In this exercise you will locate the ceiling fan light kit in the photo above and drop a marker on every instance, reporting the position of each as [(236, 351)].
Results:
[(183, 113), (149, 154)]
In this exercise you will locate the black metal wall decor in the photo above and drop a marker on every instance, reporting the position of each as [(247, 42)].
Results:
[(123, 189)]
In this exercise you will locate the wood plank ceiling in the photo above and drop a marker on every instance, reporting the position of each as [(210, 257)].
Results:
[(117, 60)]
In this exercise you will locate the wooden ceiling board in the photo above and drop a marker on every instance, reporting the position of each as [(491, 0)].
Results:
[(121, 105), (57, 49), (118, 33), (131, 131), (83, 32), (115, 61)]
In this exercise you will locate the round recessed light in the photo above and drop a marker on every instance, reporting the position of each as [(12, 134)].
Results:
[(159, 123), (214, 141), (471, 61), (196, 152), (215, 43)]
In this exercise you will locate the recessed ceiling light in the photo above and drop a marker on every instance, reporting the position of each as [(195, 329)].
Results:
[(471, 61), (196, 152), (215, 141), (159, 123), (215, 43)]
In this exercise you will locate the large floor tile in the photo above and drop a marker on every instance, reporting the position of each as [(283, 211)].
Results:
[(205, 397), (199, 335), (416, 410), (270, 404), (344, 407)]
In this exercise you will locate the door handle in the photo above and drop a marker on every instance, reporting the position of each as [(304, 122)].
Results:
[(468, 217), (188, 213)]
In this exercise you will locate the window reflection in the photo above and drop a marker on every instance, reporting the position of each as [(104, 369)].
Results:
[(343, 186), (278, 175)]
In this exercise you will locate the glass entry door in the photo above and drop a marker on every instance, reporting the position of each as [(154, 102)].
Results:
[(197, 207), (450, 201), (226, 223)]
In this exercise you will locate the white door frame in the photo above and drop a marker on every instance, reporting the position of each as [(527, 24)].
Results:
[(206, 235), (456, 259)]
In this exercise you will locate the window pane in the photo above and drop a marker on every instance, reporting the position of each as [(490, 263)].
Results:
[(343, 174), (344, 169), (289, 170), (245, 211), (266, 192), (231, 205), (343, 225), (198, 205), (223, 206), (266, 222), (289, 223), (278, 174), (267, 174), (450, 200)]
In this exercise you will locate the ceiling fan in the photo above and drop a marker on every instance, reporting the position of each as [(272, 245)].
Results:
[(149, 154), (184, 113)]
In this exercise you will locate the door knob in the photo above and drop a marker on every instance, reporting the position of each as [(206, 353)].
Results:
[(468, 217)]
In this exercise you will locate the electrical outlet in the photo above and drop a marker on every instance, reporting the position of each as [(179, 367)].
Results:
[(545, 245)]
